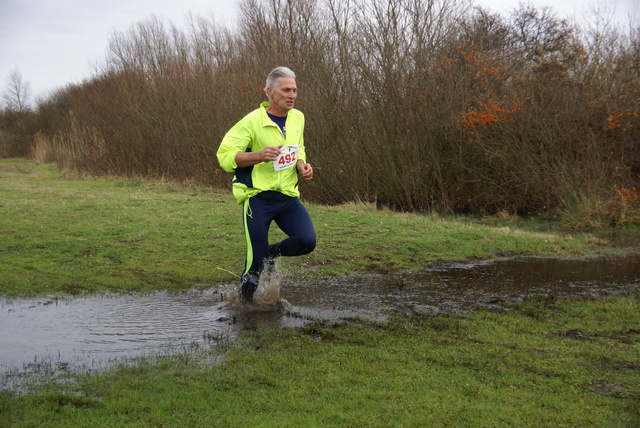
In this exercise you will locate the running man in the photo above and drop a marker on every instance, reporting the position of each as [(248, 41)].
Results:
[(265, 151)]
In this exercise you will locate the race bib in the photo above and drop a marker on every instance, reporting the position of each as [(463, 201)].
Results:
[(288, 158)]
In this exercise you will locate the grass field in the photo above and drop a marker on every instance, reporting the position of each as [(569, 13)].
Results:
[(557, 363), (63, 234)]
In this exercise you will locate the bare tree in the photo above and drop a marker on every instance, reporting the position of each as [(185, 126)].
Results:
[(17, 93)]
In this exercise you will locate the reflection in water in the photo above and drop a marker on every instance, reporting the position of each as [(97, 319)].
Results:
[(91, 333), (96, 332)]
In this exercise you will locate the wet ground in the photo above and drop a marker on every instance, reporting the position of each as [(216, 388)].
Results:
[(46, 338)]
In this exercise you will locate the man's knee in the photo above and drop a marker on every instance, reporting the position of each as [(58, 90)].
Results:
[(308, 243)]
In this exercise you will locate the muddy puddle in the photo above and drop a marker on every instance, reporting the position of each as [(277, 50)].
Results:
[(46, 338)]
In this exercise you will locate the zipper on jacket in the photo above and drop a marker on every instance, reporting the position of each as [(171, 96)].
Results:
[(284, 142)]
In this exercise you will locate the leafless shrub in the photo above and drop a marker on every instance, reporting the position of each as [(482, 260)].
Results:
[(412, 104)]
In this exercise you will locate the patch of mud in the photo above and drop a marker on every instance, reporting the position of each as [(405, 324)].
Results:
[(462, 286), (43, 339)]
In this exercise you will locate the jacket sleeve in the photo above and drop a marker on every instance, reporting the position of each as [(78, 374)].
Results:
[(237, 139), (302, 155)]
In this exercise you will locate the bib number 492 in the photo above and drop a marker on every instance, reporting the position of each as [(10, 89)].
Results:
[(287, 158)]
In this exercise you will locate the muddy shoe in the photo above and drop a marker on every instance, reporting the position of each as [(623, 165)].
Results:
[(249, 285)]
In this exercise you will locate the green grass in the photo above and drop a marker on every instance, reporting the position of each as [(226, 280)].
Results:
[(63, 234), (555, 363), (524, 368), (69, 235)]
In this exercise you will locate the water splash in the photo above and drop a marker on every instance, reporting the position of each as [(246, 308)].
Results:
[(266, 296)]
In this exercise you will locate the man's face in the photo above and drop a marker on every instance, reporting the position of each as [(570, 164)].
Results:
[(284, 94)]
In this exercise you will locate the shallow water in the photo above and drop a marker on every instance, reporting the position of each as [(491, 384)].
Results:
[(459, 286), (53, 336), (57, 336)]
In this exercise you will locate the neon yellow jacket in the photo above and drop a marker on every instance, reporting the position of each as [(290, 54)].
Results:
[(253, 133)]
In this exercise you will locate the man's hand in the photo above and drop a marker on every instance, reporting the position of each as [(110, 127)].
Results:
[(306, 171), (270, 153), (244, 159)]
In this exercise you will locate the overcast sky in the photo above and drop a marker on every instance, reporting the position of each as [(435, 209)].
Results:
[(56, 42)]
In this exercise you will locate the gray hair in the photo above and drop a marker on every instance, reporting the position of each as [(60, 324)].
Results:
[(277, 73)]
